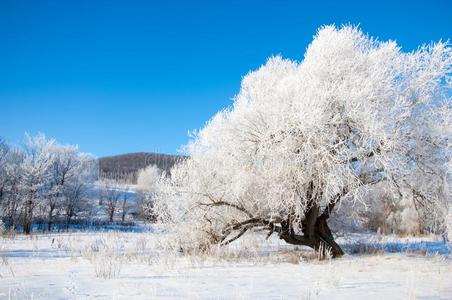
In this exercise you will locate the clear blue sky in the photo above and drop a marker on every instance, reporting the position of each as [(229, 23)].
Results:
[(127, 76)]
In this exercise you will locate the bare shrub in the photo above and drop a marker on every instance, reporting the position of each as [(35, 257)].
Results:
[(4, 258), (106, 254)]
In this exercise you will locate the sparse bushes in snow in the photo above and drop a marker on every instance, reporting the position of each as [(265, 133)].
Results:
[(106, 256)]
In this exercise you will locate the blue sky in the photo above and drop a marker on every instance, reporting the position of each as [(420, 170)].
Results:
[(128, 76)]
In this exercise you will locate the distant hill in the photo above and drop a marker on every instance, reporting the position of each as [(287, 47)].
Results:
[(126, 166)]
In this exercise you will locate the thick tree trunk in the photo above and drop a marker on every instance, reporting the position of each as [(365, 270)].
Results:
[(316, 232), (324, 240), (312, 231), (321, 240)]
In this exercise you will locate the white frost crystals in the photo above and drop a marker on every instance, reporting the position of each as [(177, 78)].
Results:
[(355, 113)]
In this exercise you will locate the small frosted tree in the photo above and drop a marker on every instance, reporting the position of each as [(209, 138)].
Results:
[(11, 179), (35, 176), (148, 178), (4, 153), (110, 193), (76, 191), (64, 169), (147, 183), (302, 137)]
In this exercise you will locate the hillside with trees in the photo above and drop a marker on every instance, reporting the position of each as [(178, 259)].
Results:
[(125, 167)]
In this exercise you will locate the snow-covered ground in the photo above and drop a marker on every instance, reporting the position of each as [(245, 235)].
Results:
[(120, 265)]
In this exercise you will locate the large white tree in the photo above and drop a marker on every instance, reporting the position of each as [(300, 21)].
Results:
[(302, 137)]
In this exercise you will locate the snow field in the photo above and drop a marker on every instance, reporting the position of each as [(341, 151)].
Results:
[(118, 265)]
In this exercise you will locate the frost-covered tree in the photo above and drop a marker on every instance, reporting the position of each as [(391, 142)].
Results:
[(65, 168), (10, 176), (76, 192), (303, 137), (125, 205), (110, 193), (4, 150), (147, 183), (42, 174), (148, 178), (11, 194), (35, 176)]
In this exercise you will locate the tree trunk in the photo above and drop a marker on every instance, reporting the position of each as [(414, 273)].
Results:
[(316, 232), (28, 216), (112, 212), (324, 240), (321, 240), (124, 209), (312, 231), (52, 208)]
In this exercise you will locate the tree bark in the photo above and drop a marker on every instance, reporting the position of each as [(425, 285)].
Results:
[(49, 225), (111, 214), (320, 239), (68, 220), (28, 217), (315, 232), (325, 241), (124, 209)]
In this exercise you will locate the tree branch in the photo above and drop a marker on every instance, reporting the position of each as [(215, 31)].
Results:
[(224, 203)]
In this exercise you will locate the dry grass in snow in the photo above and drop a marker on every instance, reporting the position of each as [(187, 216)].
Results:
[(138, 266)]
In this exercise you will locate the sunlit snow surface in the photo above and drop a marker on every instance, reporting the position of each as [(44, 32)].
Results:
[(128, 265)]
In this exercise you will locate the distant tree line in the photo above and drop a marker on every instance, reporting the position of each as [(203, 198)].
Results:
[(48, 185), (126, 167)]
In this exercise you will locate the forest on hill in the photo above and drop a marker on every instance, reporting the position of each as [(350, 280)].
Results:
[(125, 167)]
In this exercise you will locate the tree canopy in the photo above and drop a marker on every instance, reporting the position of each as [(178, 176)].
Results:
[(301, 137)]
